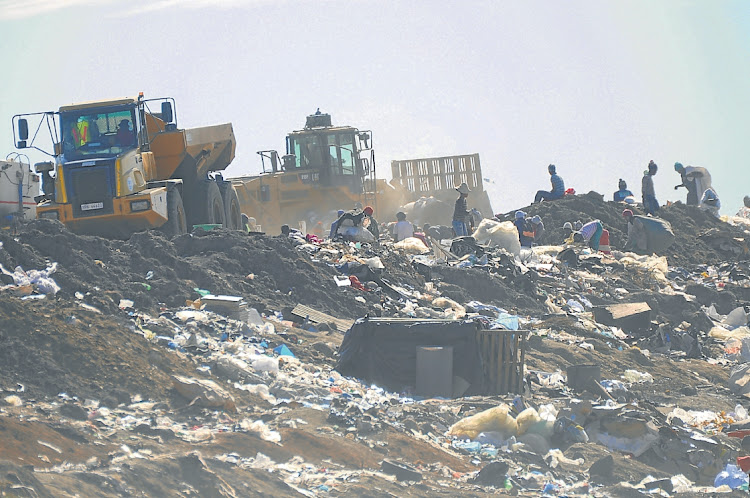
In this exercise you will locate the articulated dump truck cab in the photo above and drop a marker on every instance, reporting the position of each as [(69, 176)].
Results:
[(325, 168), (120, 167)]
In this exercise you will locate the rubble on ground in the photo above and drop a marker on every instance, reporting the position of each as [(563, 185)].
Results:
[(207, 364)]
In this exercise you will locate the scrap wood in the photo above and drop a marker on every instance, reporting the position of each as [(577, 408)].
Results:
[(315, 316), (446, 252)]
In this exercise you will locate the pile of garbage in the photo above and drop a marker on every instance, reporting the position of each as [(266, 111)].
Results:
[(211, 362)]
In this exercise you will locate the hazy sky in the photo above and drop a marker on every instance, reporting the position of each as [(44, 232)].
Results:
[(597, 87)]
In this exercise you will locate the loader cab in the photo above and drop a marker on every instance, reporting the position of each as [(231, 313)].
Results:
[(329, 155)]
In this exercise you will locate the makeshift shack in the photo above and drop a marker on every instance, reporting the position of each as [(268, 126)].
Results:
[(413, 355)]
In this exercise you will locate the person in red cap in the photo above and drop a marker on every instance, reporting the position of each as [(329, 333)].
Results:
[(355, 218), (647, 234)]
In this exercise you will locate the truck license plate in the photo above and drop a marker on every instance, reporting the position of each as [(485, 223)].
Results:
[(91, 206)]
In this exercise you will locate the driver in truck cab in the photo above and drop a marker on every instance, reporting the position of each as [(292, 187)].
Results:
[(125, 135), (85, 130)]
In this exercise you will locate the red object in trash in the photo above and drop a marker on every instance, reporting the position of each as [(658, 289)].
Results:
[(356, 283), (744, 463), (604, 242), (570, 191)]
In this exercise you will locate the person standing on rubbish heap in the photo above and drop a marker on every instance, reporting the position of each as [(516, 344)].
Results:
[(591, 233), (695, 179), (403, 229), (650, 204), (461, 213), (525, 231), (558, 187), (622, 193), (710, 202)]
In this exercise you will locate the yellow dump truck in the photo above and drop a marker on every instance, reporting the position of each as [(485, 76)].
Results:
[(327, 168), (119, 167)]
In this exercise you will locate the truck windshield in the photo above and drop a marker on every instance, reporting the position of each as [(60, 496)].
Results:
[(90, 132)]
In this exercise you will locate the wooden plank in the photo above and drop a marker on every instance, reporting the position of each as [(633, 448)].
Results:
[(315, 316), (523, 362), (514, 381), (619, 311)]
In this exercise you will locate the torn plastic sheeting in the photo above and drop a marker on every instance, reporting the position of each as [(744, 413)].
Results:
[(635, 446), (384, 351), (40, 279), (478, 307), (505, 321)]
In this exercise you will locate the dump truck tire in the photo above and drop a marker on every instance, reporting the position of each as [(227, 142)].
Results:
[(177, 221), (208, 206), (232, 211)]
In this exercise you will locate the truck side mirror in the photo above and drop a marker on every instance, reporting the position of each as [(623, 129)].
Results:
[(166, 112), (23, 133)]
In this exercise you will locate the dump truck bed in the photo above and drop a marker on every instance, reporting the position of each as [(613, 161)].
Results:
[(203, 149)]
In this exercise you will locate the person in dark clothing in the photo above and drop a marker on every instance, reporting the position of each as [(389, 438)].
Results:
[(650, 204), (354, 218), (525, 231), (688, 183), (461, 212)]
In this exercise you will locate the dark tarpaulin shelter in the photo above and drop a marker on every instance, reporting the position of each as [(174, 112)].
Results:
[(383, 351)]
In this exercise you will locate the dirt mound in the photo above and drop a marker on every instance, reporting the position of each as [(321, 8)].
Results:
[(699, 236), (150, 269), (54, 346)]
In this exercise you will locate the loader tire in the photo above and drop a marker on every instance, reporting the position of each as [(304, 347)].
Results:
[(232, 211), (207, 204), (176, 220)]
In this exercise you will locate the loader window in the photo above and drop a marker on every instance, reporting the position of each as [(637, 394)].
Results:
[(346, 149), (307, 152)]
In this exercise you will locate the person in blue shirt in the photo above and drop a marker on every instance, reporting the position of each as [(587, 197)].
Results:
[(621, 194), (558, 187)]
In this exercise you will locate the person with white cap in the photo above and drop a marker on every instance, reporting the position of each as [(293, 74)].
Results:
[(461, 211)]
